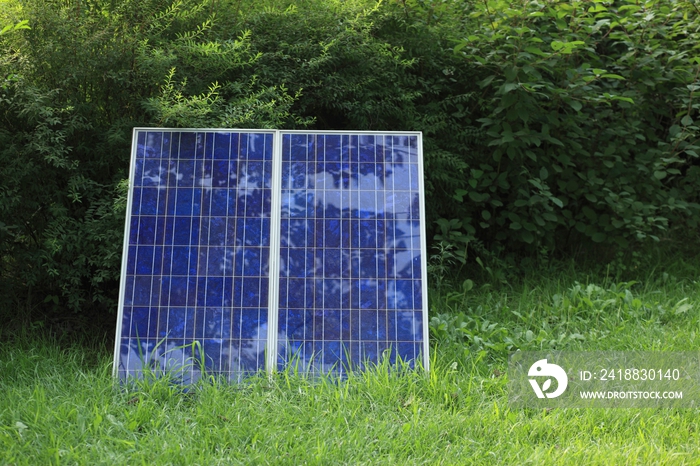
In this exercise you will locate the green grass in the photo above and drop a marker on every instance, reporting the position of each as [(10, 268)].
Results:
[(59, 404)]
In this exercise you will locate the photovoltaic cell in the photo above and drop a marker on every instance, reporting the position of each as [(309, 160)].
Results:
[(247, 250)]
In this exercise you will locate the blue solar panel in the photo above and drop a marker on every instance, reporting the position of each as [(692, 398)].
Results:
[(351, 260), (341, 216)]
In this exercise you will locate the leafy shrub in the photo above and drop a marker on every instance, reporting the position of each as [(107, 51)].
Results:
[(589, 113), (547, 125), (72, 88)]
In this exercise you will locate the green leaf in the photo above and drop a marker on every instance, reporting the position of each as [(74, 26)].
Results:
[(612, 76), (536, 51), (509, 99), (599, 237), (624, 99), (576, 105), (478, 197), (24, 24), (632, 8), (511, 73), (686, 120), (459, 195), (486, 81), (597, 9), (460, 46), (467, 285), (659, 174)]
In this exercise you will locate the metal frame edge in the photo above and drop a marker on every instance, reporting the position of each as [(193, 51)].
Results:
[(125, 251)]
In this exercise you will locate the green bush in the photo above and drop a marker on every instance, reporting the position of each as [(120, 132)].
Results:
[(547, 125), (588, 114), (73, 87)]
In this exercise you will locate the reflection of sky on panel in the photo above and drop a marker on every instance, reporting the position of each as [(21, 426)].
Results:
[(196, 281), (350, 277)]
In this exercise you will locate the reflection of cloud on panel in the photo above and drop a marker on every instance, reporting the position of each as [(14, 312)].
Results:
[(283, 266), (153, 146), (368, 202), (324, 181), (205, 180), (177, 176), (327, 190), (403, 262), (396, 298), (248, 181), (408, 322), (251, 350), (132, 356), (400, 294), (404, 233), (155, 177), (317, 266), (250, 354), (401, 203), (295, 236), (252, 142), (293, 201), (398, 178)]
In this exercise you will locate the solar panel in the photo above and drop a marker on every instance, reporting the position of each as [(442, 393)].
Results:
[(252, 249)]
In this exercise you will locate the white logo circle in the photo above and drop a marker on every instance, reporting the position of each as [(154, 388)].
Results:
[(542, 368)]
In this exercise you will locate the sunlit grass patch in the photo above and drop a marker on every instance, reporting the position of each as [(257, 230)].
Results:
[(60, 404)]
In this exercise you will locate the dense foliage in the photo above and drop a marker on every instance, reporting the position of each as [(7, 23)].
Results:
[(547, 125), (589, 121)]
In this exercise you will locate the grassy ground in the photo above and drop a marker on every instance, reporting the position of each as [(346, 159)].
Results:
[(58, 404)]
